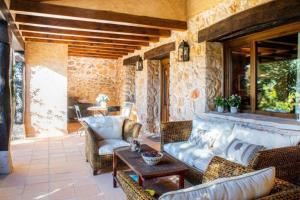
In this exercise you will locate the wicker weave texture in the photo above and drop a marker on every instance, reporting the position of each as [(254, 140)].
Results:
[(98, 162)]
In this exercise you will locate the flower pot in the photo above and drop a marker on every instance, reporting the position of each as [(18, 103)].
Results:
[(233, 109), (220, 109)]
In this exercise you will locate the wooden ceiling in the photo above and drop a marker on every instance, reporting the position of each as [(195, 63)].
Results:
[(90, 33)]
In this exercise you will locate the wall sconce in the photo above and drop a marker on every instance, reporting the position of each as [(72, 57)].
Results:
[(139, 64), (183, 51)]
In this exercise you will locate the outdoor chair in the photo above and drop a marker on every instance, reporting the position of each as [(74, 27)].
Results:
[(99, 150), (79, 119)]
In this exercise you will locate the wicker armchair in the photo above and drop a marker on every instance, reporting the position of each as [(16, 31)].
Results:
[(99, 162), (286, 160), (218, 168)]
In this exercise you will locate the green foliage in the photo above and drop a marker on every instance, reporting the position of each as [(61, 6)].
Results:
[(234, 101), (220, 101), (276, 86)]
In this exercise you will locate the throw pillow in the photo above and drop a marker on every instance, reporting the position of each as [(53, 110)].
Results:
[(247, 186), (106, 127), (241, 152)]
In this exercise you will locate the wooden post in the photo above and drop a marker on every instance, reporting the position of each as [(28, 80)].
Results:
[(5, 100)]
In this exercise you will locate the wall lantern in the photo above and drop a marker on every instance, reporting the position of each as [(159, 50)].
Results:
[(183, 51), (139, 64)]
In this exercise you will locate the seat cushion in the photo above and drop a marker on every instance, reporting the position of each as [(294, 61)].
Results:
[(187, 152), (252, 185), (268, 139), (107, 146), (106, 127)]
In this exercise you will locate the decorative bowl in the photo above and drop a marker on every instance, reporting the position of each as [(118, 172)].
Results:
[(152, 157)]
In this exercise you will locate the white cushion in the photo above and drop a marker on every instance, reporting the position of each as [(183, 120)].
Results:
[(187, 152), (267, 139), (126, 109), (241, 152), (107, 146), (211, 133), (247, 186), (202, 163), (107, 127)]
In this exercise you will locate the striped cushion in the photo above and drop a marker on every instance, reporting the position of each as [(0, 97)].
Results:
[(241, 152)]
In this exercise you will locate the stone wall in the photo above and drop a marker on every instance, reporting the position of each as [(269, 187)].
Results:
[(193, 84), (88, 77), (46, 88)]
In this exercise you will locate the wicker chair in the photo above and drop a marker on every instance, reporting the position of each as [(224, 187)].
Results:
[(100, 162), (286, 160), (218, 168)]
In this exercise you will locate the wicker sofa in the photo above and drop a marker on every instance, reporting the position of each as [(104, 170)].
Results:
[(286, 160), (93, 143), (217, 168)]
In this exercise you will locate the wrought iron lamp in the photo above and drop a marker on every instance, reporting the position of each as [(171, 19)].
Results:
[(139, 64), (183, 51)]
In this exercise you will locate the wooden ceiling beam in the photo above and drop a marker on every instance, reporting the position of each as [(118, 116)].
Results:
[(59, 31), (96, 54), (44, 9), (86, 44), (96, 51), (84, 39), (12, 26), (101, 48), (131, 60), (91, 55), (85, 25)]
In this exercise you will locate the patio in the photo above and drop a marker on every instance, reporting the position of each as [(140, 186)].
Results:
[(149, 100), (54, 168)]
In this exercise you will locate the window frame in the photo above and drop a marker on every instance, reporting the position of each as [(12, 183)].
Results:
[(252, 40)]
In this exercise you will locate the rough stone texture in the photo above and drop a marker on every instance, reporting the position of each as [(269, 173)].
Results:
[(46, 88), (126, 82), (153, 96), (88, 77), (193, 84)]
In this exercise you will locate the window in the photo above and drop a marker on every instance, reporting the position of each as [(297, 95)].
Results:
[(264, 69)]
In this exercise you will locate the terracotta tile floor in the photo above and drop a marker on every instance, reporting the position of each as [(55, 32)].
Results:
[(54, 168)]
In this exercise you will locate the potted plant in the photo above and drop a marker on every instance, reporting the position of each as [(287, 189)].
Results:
[(220, 103), (101, 100), (234, 101)]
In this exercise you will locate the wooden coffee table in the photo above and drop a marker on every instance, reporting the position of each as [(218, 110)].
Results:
[(167, 167)]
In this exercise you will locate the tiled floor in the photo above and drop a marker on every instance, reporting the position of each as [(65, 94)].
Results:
[(54, 168)]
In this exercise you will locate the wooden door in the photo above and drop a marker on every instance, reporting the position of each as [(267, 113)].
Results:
[(165, 85)]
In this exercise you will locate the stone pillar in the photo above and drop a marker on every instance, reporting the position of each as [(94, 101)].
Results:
[(214, 73), (153, 95), (5, 100)]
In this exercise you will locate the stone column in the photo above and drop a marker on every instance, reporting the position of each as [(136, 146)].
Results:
[(5, 100)]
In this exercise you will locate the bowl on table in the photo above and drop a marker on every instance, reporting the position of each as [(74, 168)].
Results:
[(152, 157)]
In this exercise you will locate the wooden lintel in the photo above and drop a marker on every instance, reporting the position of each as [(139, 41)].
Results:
[(84, 44), (85, 39), (44, 9), (159, 52), (256, 19), (131, 60), (86, 25), (59, 31)]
